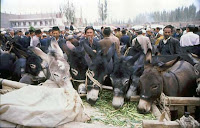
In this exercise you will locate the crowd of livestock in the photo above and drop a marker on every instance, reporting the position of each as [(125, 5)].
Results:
[(103, 57)]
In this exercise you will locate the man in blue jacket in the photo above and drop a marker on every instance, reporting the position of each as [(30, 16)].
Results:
[(56, 35)]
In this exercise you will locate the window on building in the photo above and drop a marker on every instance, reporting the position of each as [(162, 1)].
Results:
[(35, 23)]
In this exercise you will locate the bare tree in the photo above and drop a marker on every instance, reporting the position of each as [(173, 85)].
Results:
[(102, 8), (68, 10)]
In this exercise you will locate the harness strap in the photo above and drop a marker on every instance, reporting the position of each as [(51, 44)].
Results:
[(80, 81), (176, 79), (127, 51)]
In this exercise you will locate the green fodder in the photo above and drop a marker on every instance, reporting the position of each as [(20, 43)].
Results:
[(127, 116)]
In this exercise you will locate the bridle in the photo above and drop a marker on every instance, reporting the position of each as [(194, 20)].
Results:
[(75, 72), (90, 75)]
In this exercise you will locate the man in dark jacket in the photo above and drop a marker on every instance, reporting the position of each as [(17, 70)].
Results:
[(168, 45), (56, 34), (25, 41), (125, 39), (89, 39), (71, 27)]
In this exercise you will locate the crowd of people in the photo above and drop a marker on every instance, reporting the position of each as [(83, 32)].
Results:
[(166, 41)]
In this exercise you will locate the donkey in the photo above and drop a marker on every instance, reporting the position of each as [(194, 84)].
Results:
[(78, 66), (125, 77), (100, 66), (57, 66), (174, 78)]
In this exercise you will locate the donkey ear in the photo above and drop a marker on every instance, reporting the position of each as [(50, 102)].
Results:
[(39, 53), (116, 58), (66, 49), (56, 47), (148, 57), (111, 52), (89, 51)]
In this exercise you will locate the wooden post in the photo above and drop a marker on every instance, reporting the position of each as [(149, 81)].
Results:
[(176, 101), (107, 87), (156, 112), (12, 84), (182, 101)]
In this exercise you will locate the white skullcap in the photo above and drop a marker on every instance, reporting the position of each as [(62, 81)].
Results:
[(161, 32), (3, 32), (143, 31)]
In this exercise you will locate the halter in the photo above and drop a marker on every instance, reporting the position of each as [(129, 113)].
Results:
[(11, 46), (75, 72), (90, 75), (39, 79)]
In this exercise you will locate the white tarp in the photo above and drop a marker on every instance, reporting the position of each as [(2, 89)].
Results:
[(42, 106)]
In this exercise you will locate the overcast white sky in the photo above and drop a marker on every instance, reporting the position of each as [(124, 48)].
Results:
[(117, 9)]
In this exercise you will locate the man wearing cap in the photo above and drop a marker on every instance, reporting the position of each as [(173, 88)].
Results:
[(89, 39), (118, 34), (156, 32), (149, 33), (56, 35), (25, 41), (143, 41), (177, 34), (125, 39), (160, 34), (32, 34), (36, 38), (190, 41), (71, 27), (44, 42)]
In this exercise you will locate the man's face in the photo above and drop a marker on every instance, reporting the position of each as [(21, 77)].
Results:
[(33, 34), (89, 33), (12, 33), (149, 33), (63, 32), (20, 33), (39, 35), (167, 33), (56, 34), (157, 30)]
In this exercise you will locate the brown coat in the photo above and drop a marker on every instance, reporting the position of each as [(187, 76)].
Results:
[(106, 42)]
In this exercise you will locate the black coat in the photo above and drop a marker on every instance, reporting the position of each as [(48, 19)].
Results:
[(94, 46), (173, 46), (25, 41)]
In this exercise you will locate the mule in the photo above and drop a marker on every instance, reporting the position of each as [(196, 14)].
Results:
[(57, 65), (173, 78)]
